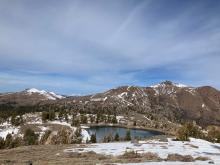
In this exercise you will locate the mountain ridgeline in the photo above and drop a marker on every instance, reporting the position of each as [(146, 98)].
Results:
[(166, 101)]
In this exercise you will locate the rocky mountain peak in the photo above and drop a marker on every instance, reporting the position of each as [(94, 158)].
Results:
[(48, 95), (169, 84)]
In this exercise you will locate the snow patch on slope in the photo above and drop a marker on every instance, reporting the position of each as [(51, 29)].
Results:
[(179, 85), (48, 95), (12, 130), (56, 95)]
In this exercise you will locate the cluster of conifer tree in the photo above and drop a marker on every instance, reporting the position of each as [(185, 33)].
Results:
[(29, 138), (188, 130)]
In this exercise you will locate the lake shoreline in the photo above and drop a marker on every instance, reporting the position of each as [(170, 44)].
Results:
[(128, 127)]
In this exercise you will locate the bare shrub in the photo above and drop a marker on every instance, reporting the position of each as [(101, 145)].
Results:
[(151, 156), (202, 158), (45, 136), (130, 154), (177, 157)]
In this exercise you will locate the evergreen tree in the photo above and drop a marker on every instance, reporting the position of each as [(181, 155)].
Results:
[(30, 138), (105, 119), (8, 140), (109, 138), (213, 135), (117, 137), (16, 142), (135, 123), (83, 119), (2, 143), (60, 115), (188, 130), (66, 117), (128, 135), (109, 120), (78, 135), (16, 120), (78, 132), (114, 120), (97, 118), (102, 118), (75, 122), (44, 116), (93, 138), (91, 119), (51, 115)]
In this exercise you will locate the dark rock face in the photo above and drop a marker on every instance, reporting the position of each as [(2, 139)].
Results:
[(167, 101)]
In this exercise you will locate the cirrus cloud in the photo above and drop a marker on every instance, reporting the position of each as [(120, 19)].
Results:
[(89, 46)]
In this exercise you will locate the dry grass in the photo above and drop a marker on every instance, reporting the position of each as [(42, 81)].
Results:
[(151, 156), (54, 155), (130, 155), (202, 158), (182, 158)]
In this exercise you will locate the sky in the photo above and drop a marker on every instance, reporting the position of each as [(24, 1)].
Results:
[(78, 47)]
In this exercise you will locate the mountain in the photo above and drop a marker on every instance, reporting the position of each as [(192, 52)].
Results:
[(47, 95), (165, 102), (28, 97)]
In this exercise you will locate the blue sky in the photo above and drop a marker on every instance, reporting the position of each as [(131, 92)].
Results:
[(81, 47)]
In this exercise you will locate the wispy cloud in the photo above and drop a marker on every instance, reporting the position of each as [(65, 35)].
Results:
[(89, 46)]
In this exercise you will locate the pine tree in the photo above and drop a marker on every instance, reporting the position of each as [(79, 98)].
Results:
[(16, 142), (87, 140), (114, 120), (188, 130), (16, 120), (128, 135), (109, 120), (2, 143), (83, 119), (8, 140), (97, 118), (78, 135), (91, 118), (135, 123), (60, 115), (75, 122), (51, 115), (30, 138), (117, 137), (66, 117), (78, 132), (93, 138), (44, 116), (109, 138)]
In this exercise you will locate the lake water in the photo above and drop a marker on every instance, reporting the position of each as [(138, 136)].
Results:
[(102, 131)]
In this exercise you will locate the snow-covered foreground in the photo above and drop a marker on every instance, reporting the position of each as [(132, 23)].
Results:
[(195, 148)]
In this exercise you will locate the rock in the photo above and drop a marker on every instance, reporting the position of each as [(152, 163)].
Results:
[(211, 162)]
